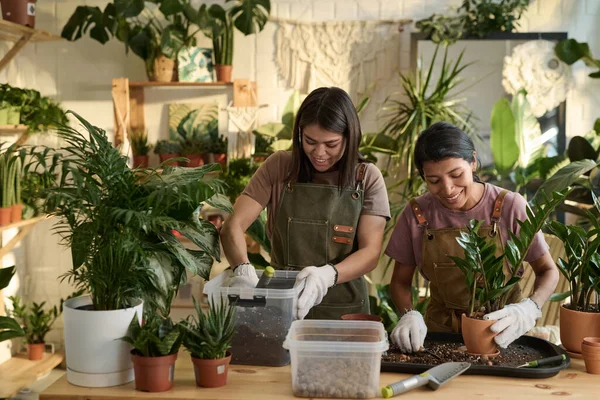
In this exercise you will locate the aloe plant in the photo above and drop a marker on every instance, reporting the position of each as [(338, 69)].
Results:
[(10, 178), (488, 285), (208, 336), (139, 143)]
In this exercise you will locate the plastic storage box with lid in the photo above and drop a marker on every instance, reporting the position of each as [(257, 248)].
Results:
[(263, 317), (336, 358)]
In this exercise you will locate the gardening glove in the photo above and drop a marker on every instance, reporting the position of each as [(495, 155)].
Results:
[(244, 276), (316, 282), (513, 321), (409, 333)]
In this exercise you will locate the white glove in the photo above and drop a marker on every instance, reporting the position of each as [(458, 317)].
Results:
[(514, 320), (317, 281), (244, 276), (409, 333)]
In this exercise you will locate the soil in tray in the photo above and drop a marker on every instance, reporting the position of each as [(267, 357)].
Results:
[(512, 356)]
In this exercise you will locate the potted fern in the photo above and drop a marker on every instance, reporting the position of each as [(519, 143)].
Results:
[(119, 224), (36, 323), (140, 148), (155, 346), (168, 150), (208, 338), (486, 277)]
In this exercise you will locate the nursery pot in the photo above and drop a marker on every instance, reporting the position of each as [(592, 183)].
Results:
[(167, 156), (362, 317), (5, 215), (211, 373), (223, 72), (575, 325), (212, 158), (16, 212), (154, 374), (35, 351), (164, 70), (19, 11), (96, 357), (140, 161), (195, 160), (477, 335)]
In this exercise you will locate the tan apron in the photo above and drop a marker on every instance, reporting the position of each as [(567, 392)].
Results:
[(315, 225), (449, 293)]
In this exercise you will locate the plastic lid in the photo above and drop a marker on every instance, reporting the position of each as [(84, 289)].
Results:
[(269, 271), (387, 392)]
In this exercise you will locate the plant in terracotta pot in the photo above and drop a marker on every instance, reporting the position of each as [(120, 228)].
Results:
[(19, 11), (119, 224), (140, 148), (155, 345), (36, 323), (208, 337), (490, 282), (216, 148), (191, 131), (9, 327), (193, 149), (154, 30), (11, 171), (580, 317), (168, 152), (248, 16)]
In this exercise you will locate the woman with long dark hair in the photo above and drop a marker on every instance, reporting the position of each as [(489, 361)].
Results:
[(426, 233), (326, 206)]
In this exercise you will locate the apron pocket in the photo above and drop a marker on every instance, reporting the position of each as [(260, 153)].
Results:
[(452, 285), (346, 298), (307, 242)]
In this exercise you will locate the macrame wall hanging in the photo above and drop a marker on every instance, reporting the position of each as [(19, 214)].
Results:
[(348, 54), (241, 122)]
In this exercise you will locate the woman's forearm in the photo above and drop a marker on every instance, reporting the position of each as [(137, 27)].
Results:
[(401, 295), (234, 244), (357, 264), (546, 279)]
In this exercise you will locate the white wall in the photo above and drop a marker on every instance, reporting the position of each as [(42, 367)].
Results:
[(79, 75)]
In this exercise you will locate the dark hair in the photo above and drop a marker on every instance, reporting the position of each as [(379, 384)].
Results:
[(331, 109), (443, 140)]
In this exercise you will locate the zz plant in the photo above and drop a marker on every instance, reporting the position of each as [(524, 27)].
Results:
[(488, 285), (36, 321), (157, 337)]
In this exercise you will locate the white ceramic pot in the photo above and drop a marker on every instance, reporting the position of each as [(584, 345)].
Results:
[(96, 357)]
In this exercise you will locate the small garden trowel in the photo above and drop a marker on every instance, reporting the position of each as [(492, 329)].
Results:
[(434, 378)]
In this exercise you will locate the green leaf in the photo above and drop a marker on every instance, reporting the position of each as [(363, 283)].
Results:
[(6, 275), (275, 130), (564, 177), (505, 150), (251, 15), (172, 40), (580, 149), (560, 296), (379, 143), (170, 7), (129, 8), (291, 110), (570, 51), (257, 260), (220, 202), (282, 144), (9, 329)]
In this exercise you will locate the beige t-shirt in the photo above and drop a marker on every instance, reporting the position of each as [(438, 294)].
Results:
[(267, 183)]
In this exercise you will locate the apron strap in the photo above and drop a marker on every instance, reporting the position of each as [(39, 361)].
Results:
[(360, 175), (497, 211), (417, 211)]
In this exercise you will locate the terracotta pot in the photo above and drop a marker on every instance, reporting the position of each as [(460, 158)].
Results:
[(591, 341), (576, 325), (5, 215), (35, 351), (153, 374), (211, 373), (16, 213), (195, 160), (477, 335), (167, 156), (591, 357), (140, 161), (164, 70), (362, 317), (19, 11), (223, 72)]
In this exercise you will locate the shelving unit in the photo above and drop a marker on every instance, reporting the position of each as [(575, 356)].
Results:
[(19, 371), (24, 226), (180, 84)]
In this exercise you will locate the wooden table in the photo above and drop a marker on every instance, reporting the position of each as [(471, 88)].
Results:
[(266, 383)]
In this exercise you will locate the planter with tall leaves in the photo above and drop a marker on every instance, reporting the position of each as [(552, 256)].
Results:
[(119, 225), (140, 148), (154, 30), (208, 338), (11, 171), (248, 16), (491, 275)]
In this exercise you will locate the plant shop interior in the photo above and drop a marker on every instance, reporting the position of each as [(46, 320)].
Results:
[(269, 199)]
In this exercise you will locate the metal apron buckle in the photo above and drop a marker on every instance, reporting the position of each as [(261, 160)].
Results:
[(494, 230)]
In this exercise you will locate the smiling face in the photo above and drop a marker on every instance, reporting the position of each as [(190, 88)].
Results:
[(323, 148), (451, 181)]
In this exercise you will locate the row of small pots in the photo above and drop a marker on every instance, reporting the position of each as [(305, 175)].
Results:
[(590, 350), (166, 70), (156, 374), (10, 215)]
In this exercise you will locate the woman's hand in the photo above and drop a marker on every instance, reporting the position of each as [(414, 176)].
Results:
[(317, 280), (513, 321), (244, 275), (409, 333)]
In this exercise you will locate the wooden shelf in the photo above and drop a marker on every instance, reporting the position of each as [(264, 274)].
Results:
[(14, 32), (19, 371), (23, 223), (179, 84), (6, 130), (24, 227)]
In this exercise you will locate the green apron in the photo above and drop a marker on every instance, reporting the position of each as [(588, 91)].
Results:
[(449, 293), (315, 225)]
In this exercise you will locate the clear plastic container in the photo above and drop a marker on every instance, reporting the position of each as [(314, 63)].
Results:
[(336, 358), (263, 317)]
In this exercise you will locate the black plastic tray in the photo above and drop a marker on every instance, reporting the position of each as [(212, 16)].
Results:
[(546, 348)]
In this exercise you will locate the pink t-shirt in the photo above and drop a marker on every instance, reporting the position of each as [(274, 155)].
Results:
[(406, 241)]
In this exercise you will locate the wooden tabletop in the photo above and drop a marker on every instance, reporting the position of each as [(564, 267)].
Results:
[(266, 383)]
